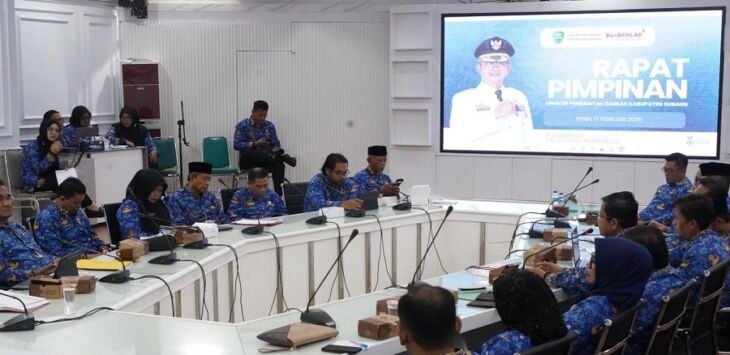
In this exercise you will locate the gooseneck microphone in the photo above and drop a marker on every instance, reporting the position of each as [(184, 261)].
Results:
[(586, 232), (318, 316), (404, 205), (21, 322), (254, 230), (223, 183), (570, 195), (415, 281), (550, 213), (162, 259), (118, 277)]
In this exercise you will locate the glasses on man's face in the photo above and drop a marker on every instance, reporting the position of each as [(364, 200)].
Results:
[(341, 173), (669, 170)]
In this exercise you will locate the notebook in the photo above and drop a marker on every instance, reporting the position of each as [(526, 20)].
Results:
[(8, 304)]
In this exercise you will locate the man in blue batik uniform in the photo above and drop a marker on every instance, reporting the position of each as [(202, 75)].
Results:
[(618, 212), (257, 200), (20, 256), (258, 145), (659, 211), (372, 178), (719, 172), (63, 228), (331, 187), (194, 203)]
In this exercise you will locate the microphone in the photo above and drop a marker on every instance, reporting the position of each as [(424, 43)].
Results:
[(555, 214), (318, 316), (223, 183), (21, 322), (586, 232), (418, 272), (254, 230), (405, 205), (567, 198), (118, 277), (163, 259), (295, 187)]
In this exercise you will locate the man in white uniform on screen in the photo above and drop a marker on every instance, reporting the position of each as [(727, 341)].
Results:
[(491, 116)]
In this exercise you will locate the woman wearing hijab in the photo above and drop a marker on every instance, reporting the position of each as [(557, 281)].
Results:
[(129, 131), (80, 117), (40, 159), (617, 275), (144, 197), (529, 311), (54, 116)]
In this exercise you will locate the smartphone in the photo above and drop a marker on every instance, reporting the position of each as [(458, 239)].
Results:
[(340, 349), (398, 182)]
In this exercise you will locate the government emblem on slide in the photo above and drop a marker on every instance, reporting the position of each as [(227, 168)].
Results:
[(496, 44), (558, 37)]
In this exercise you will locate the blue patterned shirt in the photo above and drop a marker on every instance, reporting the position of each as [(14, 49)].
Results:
[(112, 137), (19, 254), (698, 255), (247, 133), (507, 343), (52, 227), (68, 136), (571, 280), (660, 207), (660, 284), (676, 247), (366, 181), (33, 165), (244, 204), (129, 223), (187, 208), (586, 317), (322, 192)]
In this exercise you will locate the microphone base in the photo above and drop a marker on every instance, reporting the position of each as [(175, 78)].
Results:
[(119, 277), (317, 220), (18, 323), (200, 244), (550, 213), (403, 206), (416, 284), (164, 259), (253, 230), (357, 213), (318, 317)]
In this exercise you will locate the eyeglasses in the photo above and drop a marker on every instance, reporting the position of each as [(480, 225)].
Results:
[(341, 173)]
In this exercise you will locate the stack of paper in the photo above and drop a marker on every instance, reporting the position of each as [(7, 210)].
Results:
[(8, 304), (265, 221)]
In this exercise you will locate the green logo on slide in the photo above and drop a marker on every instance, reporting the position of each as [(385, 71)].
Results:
[(558, 36)]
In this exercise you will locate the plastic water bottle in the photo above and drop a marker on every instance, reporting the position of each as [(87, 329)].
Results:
[(554, 197), (561, 199)]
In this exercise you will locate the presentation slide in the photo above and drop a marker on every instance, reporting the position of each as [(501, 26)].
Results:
[(641, 83)]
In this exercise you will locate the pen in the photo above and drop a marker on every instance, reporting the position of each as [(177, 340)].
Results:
[(362, 345)]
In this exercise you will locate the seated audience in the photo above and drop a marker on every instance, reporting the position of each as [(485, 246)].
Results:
[(80, 117), (143, 210), (63, 228), (618, 212), (256, 200), (659, 210), (130, 132), (194, 203), (372, 178), (20, 256), (617, 275), (428, 321), (529, 311), (663, 281), (54, 116), (331, 187)]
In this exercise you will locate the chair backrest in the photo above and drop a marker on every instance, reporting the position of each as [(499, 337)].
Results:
[(226, 196), (560, 346), (166, 153), (13, 160), (668, 319), (293, 195), (112, 223), (702, 322), (616, 331), (215, 151)]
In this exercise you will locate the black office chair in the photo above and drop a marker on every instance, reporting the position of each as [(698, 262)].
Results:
[(560, 346), (616, 331), (293, 195), (226, 196), (668, 319), (112, 223), (699, 334)]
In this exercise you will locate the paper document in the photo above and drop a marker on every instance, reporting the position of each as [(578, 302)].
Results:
[(8, 304), (104, 265), (265, 221), (64, 174)]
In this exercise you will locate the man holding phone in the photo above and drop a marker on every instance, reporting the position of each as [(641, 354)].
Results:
[(372, 178)]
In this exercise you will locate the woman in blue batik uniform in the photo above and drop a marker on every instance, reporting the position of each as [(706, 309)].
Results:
[(144, 197)]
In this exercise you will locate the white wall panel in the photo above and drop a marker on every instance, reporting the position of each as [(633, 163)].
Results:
[(100, 66), (567, 173), (492, 178), (615, 176), (9, 77), (326, 82), (454, 176)]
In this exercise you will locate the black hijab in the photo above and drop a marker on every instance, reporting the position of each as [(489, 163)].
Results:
[(76, 114), (44, 144), (136, 133), (139, 189)]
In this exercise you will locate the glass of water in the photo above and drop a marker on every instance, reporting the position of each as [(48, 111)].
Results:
[(69, 297)]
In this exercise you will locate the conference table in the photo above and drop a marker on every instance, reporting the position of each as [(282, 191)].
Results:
[(476, 233)]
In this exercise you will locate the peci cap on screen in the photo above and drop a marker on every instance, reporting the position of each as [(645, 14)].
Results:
[(494, 50)]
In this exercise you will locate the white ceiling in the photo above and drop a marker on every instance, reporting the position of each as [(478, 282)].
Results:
[(290, 5)]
